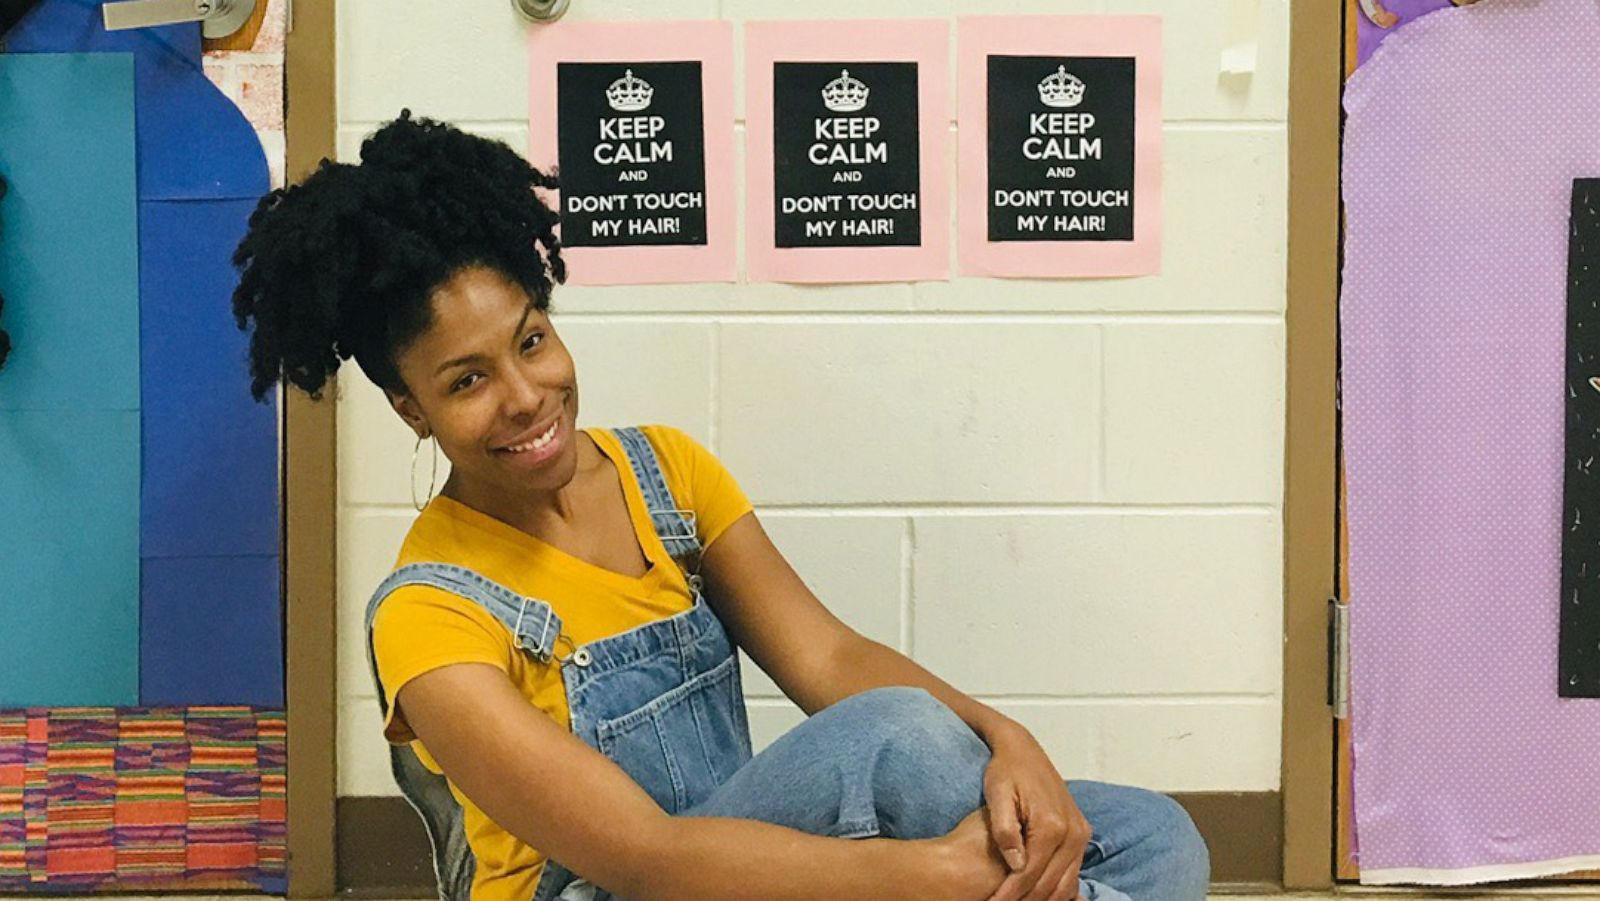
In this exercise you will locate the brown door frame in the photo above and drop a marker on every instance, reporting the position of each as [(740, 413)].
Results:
[(1310, 540), (309, 499)]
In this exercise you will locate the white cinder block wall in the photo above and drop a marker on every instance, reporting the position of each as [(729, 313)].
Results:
[(1063, 496)]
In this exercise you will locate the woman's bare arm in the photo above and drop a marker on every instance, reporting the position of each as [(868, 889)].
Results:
[(545, 786)]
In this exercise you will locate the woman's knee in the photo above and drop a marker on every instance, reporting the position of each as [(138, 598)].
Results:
[(1173, 844), (927, 765), (916, 729)]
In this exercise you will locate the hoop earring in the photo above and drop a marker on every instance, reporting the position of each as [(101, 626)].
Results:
[(433, 476)]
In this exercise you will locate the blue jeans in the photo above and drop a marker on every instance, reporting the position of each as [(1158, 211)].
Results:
[(895, 762)]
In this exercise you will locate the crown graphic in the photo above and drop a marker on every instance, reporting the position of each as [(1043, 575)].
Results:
[(845, 94), (629, 94), (1061, 89)]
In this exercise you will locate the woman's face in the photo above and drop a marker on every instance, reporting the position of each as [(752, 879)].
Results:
[(492, 382)]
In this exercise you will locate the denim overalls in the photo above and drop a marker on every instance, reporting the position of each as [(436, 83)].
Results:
[(663, 700)]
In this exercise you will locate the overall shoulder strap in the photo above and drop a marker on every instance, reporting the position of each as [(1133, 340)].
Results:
[(534, 625), (674, 525)]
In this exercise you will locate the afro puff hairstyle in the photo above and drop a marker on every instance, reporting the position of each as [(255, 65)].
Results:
[(344, 263)]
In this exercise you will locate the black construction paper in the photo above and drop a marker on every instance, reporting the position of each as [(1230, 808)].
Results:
[(631, 153), (1061, 148), (1580, 533), (846, 161)]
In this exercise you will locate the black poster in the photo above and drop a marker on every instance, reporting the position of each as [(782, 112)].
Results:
[(1061, 145), (846, 168), (1580, 533), (632, 153)]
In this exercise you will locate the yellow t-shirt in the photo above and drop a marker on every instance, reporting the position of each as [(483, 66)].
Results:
[(420, 628)]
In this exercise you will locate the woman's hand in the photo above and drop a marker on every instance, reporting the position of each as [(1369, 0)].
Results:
[(1033, 820), (968, 866)]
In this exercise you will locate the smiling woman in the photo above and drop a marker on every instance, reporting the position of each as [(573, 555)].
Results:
[(556, 650)]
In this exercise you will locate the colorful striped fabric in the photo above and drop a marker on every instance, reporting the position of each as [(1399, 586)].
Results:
[(145, 798)]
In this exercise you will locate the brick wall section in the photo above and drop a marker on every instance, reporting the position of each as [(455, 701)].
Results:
[(253, 80), (1063, 496)]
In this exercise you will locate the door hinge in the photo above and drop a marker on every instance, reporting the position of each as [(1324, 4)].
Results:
[(1339, 658)]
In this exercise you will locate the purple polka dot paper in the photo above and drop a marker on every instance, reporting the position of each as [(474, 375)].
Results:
[(1369, 35), (1465, 131)]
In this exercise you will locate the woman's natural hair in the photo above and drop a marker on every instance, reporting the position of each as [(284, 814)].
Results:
[(344, 263)]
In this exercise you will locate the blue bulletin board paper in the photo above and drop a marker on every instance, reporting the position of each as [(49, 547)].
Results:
[(69, 558), (69, 247), (211, 639), (202, 430)]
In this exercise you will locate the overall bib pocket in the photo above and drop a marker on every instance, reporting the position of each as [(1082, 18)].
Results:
[(689, 740)]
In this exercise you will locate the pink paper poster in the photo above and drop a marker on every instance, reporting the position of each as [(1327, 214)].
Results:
[(637, 120), (1060, 145), (847, 125)]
